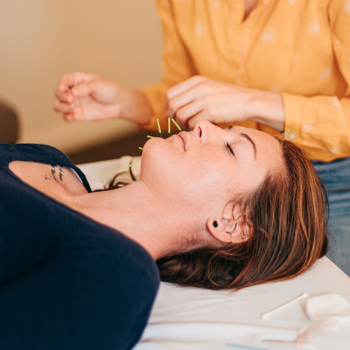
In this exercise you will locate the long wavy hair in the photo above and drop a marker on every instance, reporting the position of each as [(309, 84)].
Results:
[(288, 214)]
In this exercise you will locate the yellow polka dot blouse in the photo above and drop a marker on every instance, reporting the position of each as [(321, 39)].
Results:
[(299, 48)]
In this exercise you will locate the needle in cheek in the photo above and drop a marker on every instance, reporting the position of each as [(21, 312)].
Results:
[(129, 166)]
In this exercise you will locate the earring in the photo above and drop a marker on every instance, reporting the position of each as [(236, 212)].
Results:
[(215, 224)]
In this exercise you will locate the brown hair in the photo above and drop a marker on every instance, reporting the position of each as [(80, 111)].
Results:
[(288, 216)]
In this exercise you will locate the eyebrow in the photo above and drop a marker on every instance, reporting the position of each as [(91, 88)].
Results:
[(250, 140)]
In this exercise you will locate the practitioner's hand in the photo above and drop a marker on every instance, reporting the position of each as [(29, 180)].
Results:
[(88, 97), (201, 98)]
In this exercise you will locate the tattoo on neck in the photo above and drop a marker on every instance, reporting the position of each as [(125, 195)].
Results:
[(60, 173), (53, 172)]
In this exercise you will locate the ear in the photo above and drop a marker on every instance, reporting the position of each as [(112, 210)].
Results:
[(229, 230), (218, 233), (223, 233)]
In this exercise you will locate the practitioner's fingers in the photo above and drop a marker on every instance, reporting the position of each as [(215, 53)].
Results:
[(203, 115), (70, 112), (75, 114), (184, 114), (91, 96), (71, 117), (184, 86), (87, 87), (62, 107), (69, 81), (66, 96), (180, 101)]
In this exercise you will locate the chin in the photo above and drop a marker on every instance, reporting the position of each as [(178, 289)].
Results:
[(157, 159)]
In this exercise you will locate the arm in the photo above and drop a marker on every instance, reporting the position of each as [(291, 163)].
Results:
[(322, 123), (136, 106)]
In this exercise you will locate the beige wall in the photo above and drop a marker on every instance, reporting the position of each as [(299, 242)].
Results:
[(42, 39)]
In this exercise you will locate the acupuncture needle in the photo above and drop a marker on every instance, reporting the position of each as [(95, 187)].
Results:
[(159, 129), (176, 124), (130, 165)]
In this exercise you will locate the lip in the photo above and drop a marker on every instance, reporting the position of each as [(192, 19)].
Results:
[(181, 139)]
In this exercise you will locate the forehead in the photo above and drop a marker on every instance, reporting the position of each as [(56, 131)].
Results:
[(269, 150)]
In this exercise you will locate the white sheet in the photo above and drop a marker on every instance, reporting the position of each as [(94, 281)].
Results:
[(193, 318), (193, 306)]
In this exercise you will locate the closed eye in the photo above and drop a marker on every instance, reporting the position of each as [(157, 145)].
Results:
[(230, 149)]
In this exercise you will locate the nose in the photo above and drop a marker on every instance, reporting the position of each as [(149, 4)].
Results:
[(205, 129)]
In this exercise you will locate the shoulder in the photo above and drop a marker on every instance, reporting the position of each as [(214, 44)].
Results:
[(119, 281), (130, 261), (112, 258)]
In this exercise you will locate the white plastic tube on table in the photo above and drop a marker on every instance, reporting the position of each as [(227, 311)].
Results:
[(210, 331)]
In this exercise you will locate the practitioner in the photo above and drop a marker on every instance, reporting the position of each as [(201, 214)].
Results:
[(275, 66)]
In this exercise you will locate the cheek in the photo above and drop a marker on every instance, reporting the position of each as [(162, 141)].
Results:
[(191, 178), (160, 161), (205, 178)]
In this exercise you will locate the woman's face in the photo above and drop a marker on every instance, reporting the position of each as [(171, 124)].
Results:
[(208, 166)]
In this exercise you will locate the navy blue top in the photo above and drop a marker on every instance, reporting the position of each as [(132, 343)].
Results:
[(66, 281)]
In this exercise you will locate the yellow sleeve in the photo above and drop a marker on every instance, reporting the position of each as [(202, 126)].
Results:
[(321, 124), (177, 64)]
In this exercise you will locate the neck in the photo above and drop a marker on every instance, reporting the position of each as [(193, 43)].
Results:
[(142, 216)]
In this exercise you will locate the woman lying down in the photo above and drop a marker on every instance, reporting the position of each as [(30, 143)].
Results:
[(218, 209)]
